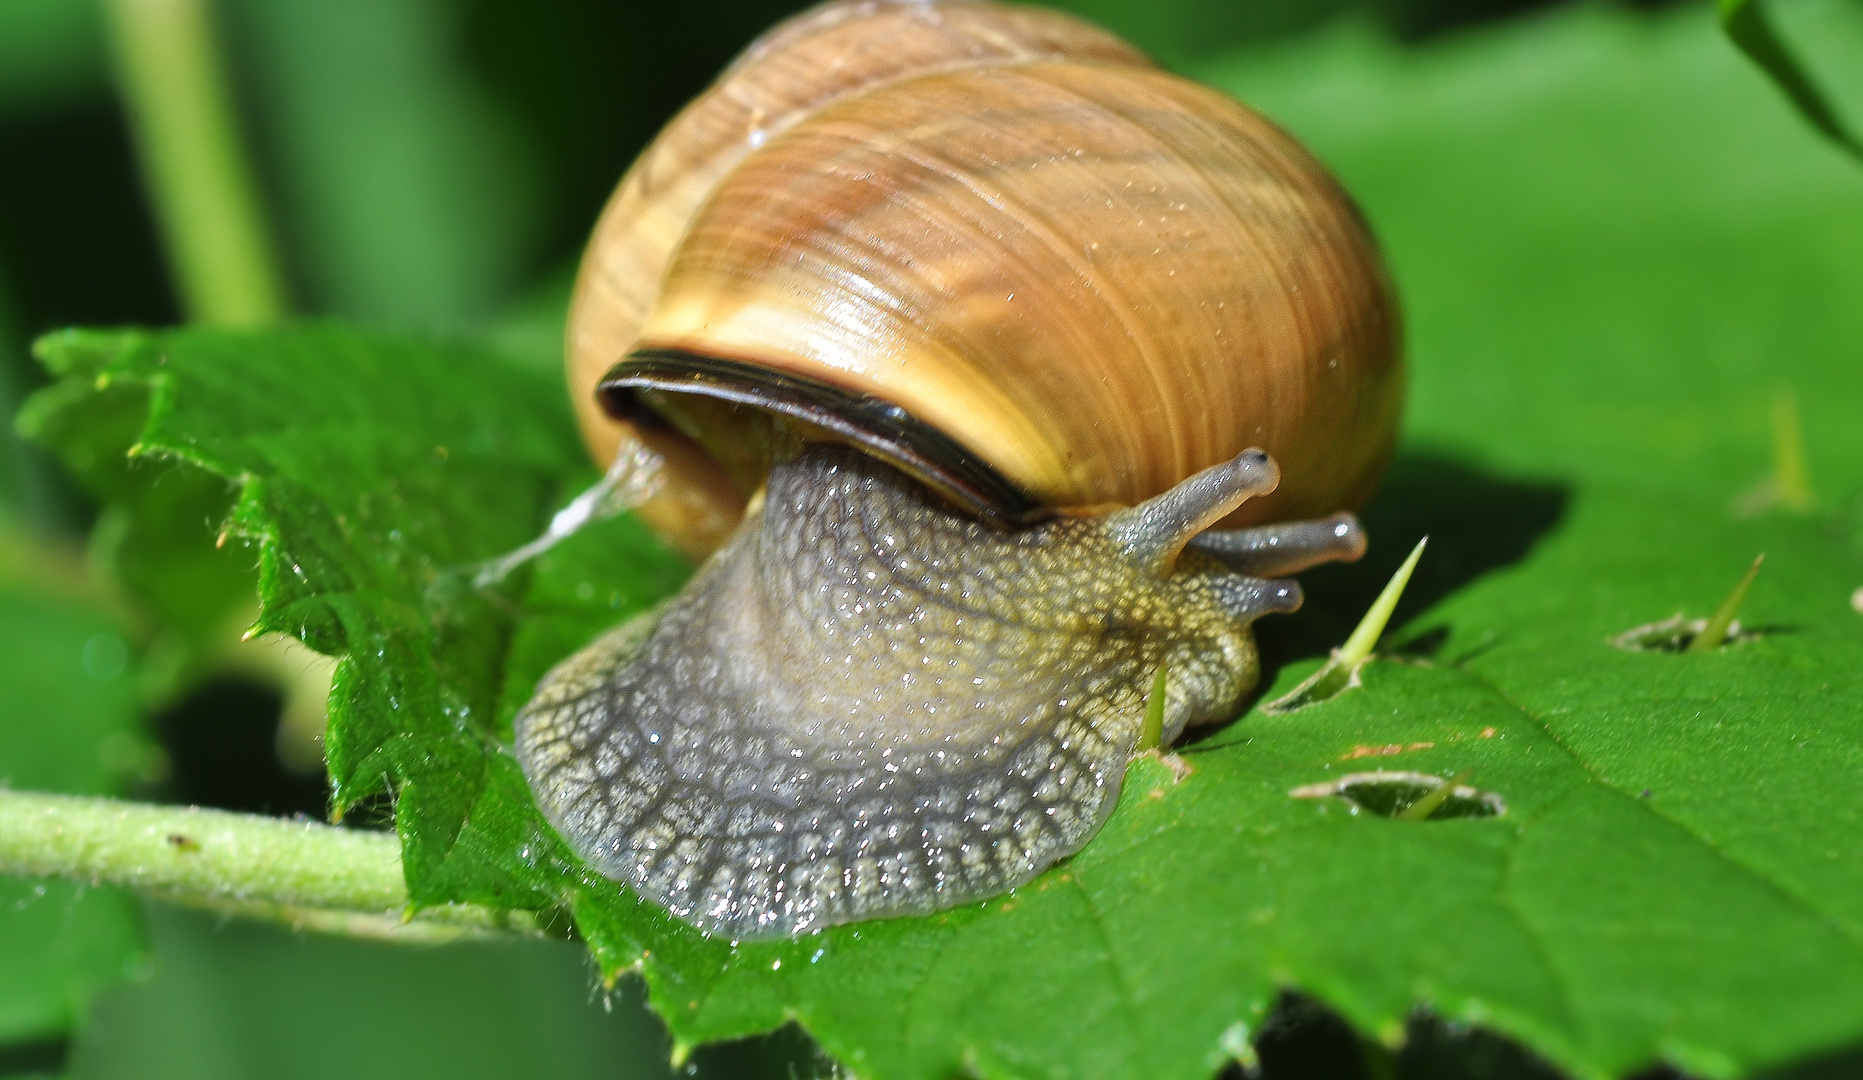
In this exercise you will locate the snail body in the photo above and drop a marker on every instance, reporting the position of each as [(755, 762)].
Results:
[(980, 325)]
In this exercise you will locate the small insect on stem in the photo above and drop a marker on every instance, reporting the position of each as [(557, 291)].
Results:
[(1714, 634), (1341, 671), (1430, 803), (1151, 732)]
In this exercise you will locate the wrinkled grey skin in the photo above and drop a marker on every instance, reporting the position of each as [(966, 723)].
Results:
[(868, 705)]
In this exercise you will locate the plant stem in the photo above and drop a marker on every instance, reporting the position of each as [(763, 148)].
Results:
[(193, 163), (304, 873)]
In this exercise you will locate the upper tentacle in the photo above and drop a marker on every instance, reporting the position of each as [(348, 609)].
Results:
[(1155, 531)]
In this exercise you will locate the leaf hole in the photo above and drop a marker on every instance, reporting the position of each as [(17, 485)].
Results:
[(1676, 633), (1390, 793)]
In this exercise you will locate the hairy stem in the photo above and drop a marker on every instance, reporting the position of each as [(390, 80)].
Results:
[(193, 162), (303, 873)]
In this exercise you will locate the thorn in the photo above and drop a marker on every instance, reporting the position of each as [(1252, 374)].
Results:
[(1428, 804), (1342, 670), (1151, 732), (1788, 487), (1357, 648), (1791, 479), (1714, 634)]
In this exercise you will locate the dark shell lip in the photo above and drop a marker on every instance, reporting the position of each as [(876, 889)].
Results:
[(883, 429)]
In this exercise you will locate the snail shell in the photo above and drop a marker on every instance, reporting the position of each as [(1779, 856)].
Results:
[(1070, 279), (997, 319)]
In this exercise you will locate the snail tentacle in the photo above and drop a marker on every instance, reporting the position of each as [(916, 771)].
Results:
[(1285, 548), (1254, 597), (1155, 531)]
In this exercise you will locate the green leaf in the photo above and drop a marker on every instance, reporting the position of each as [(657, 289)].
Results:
[(371, 475), (1747, 26), (1611, 257), (68, 722), (158, 541)]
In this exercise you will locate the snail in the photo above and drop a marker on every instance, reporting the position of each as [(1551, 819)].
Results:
[(996, 369)]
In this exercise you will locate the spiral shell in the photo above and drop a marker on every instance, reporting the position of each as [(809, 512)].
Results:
[(998, 247)]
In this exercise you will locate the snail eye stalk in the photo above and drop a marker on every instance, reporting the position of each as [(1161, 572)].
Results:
[(1155, 531), (1289, 547)]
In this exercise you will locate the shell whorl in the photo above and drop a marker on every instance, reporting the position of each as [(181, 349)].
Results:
[(835, 51), (1096, 277)]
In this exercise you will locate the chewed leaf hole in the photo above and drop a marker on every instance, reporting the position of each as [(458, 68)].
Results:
[(1680, 634), (1676, 634), (1389, 794)]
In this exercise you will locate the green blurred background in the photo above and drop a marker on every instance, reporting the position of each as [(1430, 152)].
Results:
[(433, 166)]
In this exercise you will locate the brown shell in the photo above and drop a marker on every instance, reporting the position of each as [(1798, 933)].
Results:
[(1091, 277)]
